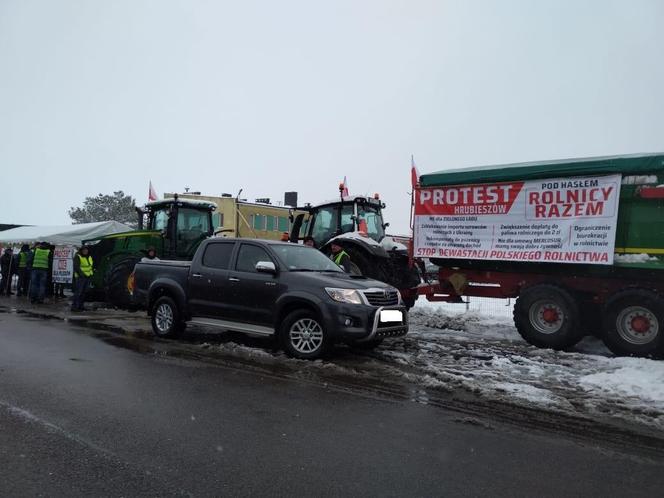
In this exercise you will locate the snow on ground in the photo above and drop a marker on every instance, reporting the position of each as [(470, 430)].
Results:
[(451, 349), (485, 354)]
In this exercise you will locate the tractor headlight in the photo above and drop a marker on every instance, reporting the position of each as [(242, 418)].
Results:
[(350, 296)]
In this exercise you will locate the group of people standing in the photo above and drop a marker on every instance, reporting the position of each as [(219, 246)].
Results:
[(34, 268)]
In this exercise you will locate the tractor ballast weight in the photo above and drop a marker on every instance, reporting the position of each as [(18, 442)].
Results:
[(173, 227)]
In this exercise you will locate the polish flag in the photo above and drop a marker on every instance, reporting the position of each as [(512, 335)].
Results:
[(152, 193), (414, 175), (344, 191)]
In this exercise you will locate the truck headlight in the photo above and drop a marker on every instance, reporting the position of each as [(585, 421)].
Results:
[(350, 296)]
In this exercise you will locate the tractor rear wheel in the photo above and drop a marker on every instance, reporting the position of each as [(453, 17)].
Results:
[(369, 267), (117, 283)]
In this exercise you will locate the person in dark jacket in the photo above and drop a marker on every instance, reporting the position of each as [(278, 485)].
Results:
[(7, 269), (83, 271), (24, 262), (309, 241)]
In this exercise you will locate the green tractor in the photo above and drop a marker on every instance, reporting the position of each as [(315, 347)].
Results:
[(356, 224), (173, 227)]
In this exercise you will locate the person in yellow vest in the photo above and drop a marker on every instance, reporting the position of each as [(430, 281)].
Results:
[(41, 261), (83, 270), (341, 257)]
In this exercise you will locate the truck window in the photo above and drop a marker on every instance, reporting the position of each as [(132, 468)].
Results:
[(218, 255), (248, 257)]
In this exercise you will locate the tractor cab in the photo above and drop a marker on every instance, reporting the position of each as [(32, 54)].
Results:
[(182, 224), (359, 214), (173, 227)]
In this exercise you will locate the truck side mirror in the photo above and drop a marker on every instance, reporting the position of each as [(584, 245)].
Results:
[(266, 267)]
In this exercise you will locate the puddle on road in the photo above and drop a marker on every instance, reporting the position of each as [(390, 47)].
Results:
[(137, 345)]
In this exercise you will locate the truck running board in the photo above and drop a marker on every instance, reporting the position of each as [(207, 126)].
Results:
[(247, 328)]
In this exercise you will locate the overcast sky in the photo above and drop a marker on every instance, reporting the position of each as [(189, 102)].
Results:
[(267, 96)]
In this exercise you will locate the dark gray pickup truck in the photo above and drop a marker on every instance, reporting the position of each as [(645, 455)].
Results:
[(265, 288)]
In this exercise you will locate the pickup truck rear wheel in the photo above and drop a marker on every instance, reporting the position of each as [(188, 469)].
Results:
[(547, 316), (303, 335), (166, 321), (634, 323)]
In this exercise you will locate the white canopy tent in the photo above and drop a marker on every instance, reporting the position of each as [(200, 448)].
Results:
[(64, 235)]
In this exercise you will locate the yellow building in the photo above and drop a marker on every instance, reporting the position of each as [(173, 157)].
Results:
[(239, 218)]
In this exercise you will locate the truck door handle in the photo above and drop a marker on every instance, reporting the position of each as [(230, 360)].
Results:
[(233, 279), (196, 275)]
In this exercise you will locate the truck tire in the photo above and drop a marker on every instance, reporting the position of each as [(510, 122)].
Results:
[(303, 335), (633, 323), (547, 316), (165, 318), (117, 290)]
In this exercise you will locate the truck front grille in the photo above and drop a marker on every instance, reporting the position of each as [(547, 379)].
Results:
[(387, 297)]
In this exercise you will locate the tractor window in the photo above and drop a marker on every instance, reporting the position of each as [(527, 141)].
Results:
[(160, 219), (325, 223), (373, 219), (193, 226), (193, 220)]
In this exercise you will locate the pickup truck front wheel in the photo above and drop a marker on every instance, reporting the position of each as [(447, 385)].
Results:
[(303, 335), (166, 321)]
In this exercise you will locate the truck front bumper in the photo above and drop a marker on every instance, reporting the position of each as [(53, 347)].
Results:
[(356, 323)]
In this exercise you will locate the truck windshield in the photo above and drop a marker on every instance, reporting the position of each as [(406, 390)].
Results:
[(373, 219), (302, 258)]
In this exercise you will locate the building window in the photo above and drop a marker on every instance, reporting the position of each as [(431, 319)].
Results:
[(259, 222), (283, 224), (269, 224)]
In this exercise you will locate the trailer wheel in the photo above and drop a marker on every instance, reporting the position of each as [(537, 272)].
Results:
[(633, 322), (547, 316)]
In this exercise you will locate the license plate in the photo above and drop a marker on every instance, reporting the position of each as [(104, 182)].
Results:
[(391, 316)]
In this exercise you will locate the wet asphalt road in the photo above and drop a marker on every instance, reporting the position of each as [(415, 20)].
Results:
[(81, 417)]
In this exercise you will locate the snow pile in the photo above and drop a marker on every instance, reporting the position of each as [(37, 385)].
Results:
[(633, 379), (633, 258)]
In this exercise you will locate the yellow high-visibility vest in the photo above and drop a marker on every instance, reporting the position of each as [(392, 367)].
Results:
[(86, 265), (40, 260)]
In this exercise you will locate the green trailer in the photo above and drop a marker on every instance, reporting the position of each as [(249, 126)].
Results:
[(579, 243), (173, 227)]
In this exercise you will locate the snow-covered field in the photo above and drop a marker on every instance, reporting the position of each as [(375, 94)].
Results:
[(451, 349)]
